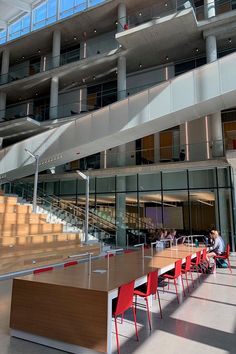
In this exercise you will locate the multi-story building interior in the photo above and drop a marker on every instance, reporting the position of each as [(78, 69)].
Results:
[(140, 95), (117, 123)]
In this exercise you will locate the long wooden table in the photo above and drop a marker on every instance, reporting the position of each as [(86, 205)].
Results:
[(71, 310)]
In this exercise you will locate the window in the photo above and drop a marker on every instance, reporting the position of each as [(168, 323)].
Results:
[(3, 35), (70, 7), (20, 27), (45, 14)]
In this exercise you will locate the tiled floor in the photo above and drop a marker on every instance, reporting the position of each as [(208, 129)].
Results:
[(204, 323)]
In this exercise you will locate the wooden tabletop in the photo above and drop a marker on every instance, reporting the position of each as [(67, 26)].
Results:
[(109, 273)]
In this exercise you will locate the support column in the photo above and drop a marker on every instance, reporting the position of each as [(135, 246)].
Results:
[(157, 147), (83, 105), (3, 97), (211, 48), (217, 135), (5, 66), (56, 48), (121, 94), (121, 211), (216, 125), (121, 20), (54, 97), (209, 8)]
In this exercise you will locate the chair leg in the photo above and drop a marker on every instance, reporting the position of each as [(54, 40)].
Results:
[(192, 278), (176, 289), (148, 313), (117, 338), (135, 323), (186, 274), (230, 269), (182, 284), (159, 301)]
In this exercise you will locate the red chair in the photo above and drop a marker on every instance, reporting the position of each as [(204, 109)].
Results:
[(145, 290), (109, 255), (174, 275), (186, 268), (195, 264), (204, 264), (72, 263), (41, 270), (124, 302), (128, 251), (224, 256)]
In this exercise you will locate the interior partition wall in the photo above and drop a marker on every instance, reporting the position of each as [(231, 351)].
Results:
[(190, 201)]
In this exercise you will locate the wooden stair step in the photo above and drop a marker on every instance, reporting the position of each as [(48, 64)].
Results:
[(36, 239), (18, 208), (8, 200), (23, 229), (24, 263), (15, 218)]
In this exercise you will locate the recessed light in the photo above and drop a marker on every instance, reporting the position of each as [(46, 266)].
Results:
[(140, 65), (94, 77), (95, 31), (167, 58), (23, 57), (166, 4), (230, 40), (36, 94), (75, 38), (140, 14), (196, 50), (39, 51)]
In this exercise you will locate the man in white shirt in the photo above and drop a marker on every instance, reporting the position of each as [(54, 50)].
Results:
[(218, 245)]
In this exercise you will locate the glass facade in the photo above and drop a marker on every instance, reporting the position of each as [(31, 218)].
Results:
[(190, 201)]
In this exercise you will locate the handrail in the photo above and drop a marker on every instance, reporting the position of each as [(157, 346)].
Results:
[(65, 212)]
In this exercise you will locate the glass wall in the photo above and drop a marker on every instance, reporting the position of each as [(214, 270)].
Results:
[(190, 201)]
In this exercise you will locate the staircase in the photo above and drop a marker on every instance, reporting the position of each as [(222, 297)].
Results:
[(72, 217), (28, 240)]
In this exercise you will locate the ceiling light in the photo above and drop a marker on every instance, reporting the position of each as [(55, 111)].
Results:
[(95, 31), (166, 4), (230, 40), (39, 51), (75, 38), (23, 57), (94, 77), (196, 50), (167, 58), (36, 94), (140, 65), (116, 22), (140, 14)]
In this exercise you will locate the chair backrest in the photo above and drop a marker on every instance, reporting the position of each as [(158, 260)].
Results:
[(227, 250), (128, 251), (72, 263), (198, 258), (188, 263), (204, 255), (41, 270), (178, 265), (125, 298), (152, 282), (109, 255)]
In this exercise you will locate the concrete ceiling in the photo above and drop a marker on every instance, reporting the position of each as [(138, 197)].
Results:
[(10, 9)]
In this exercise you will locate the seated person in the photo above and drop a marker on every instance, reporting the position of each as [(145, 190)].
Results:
[(218, 245), (171, 235)]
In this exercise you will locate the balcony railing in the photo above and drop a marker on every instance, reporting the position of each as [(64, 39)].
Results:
[(205, 150), (47, 62)]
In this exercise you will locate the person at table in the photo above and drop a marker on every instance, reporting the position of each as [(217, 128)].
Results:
[(171, 235), (218, 245)]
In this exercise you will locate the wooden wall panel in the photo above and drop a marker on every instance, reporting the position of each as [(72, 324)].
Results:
[(71, 315)]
